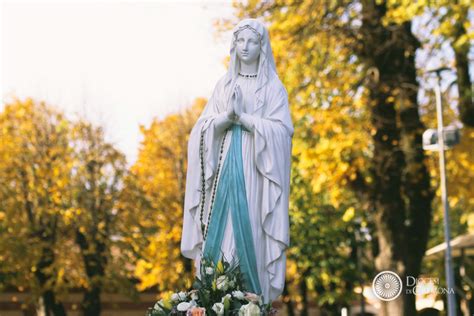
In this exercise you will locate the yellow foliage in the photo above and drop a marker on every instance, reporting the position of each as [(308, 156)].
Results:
[(160, 173), (349, 214), (35, 164)]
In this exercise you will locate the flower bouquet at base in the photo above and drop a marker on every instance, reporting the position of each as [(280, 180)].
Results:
[(219, 292)]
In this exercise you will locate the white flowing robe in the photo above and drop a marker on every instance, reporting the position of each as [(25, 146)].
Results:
[(266, 157)]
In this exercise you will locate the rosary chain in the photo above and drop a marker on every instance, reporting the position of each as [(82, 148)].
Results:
[(205, 228)]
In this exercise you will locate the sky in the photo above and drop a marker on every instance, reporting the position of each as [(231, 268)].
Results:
[(119, 64)]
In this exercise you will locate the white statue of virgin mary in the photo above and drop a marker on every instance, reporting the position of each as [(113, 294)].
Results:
[(239, 151)]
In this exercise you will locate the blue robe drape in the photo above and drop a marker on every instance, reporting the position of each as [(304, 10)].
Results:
[(231, 196)]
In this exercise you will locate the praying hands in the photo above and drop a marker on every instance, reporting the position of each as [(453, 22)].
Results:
[(235, 114)]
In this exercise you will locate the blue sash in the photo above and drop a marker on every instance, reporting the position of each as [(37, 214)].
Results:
[(231, 195)]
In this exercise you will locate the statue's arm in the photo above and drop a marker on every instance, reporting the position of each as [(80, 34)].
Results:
[(278, 115), (251, 122), (223, 121), (247, 121)]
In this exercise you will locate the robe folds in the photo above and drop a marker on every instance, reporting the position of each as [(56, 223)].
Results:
[(266, 154)]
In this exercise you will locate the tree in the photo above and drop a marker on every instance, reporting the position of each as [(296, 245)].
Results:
[(35, 163), (402, 191), (452, 26), (323, 248), (64, 222), (96, 181), (345, 57), (160, 173)]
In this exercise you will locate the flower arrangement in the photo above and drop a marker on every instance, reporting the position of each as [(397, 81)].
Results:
[(219, 292)]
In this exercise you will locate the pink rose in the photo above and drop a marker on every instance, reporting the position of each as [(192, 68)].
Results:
[(196, 311), (252, 297)]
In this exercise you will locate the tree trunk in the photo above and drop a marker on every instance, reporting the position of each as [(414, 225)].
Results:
[(290, 310), (464, 83), (94, 261), (48, 305), (401, 193), (43, 229), (91, 301), (304, 295)]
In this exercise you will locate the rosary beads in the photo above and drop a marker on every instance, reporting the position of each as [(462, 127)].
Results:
[(205, 228)]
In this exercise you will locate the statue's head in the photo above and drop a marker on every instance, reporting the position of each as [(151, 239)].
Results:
[(248, 45)]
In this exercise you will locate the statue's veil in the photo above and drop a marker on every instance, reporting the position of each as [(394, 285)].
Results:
[(266, 66)]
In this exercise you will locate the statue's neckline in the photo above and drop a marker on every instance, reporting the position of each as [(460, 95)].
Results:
[(248, 75)]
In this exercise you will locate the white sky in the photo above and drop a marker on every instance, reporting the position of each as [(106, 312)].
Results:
[(118, 63)]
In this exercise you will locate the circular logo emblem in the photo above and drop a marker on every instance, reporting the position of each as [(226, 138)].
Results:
[(387, 285)]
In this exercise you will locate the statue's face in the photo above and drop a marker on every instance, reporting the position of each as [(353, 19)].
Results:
[(247, 46)]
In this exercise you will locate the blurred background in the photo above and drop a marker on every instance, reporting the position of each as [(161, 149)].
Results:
[(98, 100)]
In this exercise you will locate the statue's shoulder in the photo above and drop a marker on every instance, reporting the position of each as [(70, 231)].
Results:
[(219, 87), (221, 82)]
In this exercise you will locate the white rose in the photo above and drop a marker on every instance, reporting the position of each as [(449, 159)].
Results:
[(182, 296), (209, 270), (224, 297), (218, 308), (175, 297), (194, 296), (249, 309), (243, 310), (222, 283), (253, 310), (157, 305), (183, 306), (238, 295)]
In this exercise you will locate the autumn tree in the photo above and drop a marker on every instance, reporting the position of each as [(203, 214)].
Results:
[(96, 182), (35, 163), (160, 173), (351, 58), (63, 220), (447, 26)]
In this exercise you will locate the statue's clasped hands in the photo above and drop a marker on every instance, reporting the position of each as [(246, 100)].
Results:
[(235, 111), (234, 114)]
